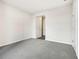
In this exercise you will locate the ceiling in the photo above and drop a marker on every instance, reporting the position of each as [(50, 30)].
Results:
[(33, 6)]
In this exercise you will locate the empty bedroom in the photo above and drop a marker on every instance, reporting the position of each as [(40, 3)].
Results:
[(38, 29)]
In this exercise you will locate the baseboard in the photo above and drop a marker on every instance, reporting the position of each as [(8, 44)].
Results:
[(9, 43), (29, 38), (60, 42), (75, 48)]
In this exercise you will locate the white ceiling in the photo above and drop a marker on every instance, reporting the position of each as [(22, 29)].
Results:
[(34, 6)]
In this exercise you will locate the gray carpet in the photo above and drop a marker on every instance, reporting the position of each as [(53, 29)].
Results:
[(37, 49)]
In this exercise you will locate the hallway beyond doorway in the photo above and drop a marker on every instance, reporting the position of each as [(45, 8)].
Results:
[(40, 27)]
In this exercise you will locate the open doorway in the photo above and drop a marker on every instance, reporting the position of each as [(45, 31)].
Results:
[(40, 27)]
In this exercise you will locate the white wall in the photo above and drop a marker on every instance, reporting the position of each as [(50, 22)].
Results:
[(28, 26), (16, 25), (2, 31), (75, 26), (58, 24)]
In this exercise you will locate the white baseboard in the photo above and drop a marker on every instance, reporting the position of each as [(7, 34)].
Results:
[(11, 42), (60, 42), (31, 37)]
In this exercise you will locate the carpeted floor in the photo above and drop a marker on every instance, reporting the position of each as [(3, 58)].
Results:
[(37, 49)]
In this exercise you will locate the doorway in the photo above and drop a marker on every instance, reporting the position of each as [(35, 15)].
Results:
[(40, 27)]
